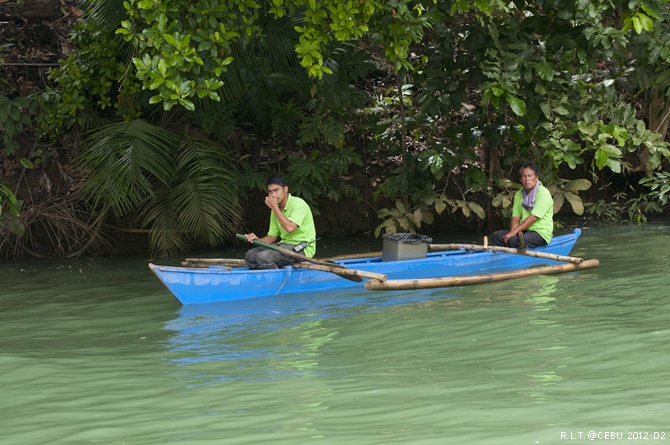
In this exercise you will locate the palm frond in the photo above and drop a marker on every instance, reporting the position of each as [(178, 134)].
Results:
[(166, 236), (199, 202), (264, 69), (107, 13), (207, 194), (280, 40), (120, 160)]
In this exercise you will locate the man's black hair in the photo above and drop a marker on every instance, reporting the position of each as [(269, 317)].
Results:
[(529, 164), (276, 179)]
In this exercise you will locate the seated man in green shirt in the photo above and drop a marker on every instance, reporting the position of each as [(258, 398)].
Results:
[(291, 223), (532, 213)]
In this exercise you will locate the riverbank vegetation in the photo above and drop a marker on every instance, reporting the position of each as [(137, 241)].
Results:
[(162, 119)]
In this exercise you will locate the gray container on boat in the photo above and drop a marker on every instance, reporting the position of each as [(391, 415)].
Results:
[(404, 246)]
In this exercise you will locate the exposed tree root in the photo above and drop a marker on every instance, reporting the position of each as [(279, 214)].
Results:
[(56, 228)]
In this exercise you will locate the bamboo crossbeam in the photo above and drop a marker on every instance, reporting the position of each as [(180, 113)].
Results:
[(348, 272), (549, 256), (355, 256), (429, 283), (233, 262), (206, 262)]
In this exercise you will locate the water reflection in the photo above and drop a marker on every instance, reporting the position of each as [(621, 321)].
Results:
[(542, 293), (264, 342), (551, 355), (279, 330)]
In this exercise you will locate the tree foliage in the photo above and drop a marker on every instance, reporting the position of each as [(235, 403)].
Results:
[(433, 102)]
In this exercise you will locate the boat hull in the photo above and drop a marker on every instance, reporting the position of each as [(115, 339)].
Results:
[(212, 284)]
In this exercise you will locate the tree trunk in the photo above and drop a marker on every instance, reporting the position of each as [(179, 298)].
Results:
[(491, 161), (403, 130), (659, 113), (659, 119), (29, 9)]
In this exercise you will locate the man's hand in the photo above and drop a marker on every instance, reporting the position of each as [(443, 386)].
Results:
[(271, 202), (507, 237), (266, 239)]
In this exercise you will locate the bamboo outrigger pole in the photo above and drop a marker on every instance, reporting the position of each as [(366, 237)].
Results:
[(549, 256), (428, 283)]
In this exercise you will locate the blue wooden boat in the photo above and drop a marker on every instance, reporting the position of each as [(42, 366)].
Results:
[(215, 283)]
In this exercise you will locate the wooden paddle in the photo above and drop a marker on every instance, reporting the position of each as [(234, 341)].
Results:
[(331, 267), (343, 272)]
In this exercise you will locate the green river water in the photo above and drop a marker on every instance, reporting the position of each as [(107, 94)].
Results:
[(99, 352)]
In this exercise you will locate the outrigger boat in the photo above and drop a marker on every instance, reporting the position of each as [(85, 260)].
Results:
[(443, 266)]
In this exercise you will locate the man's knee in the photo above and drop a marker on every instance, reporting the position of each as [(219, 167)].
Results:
[(497, 238), (266, 260), (252, 258)]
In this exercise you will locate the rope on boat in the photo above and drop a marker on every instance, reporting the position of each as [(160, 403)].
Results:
[(288, 274)]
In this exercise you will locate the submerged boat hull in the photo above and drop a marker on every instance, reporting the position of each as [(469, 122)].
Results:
[(205, 285)]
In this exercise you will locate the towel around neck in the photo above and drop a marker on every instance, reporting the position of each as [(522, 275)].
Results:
[(529, 198)]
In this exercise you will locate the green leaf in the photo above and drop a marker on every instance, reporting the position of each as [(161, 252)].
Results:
[(562, 111), (417, 217), (518, 106), (497, 200), (559, 199), (189, 105), (601, 158), (440, 205), (518, 134), (21, 102), (428, 217), (477, 209), (578, 185), (26, 163), (7, 197), (14, 114), (614, 165), (645, 22), (576, 202), (404, 223), (546, 110), (162, 67), (544, 71), (16, 226), (171, 40), (588, 129)]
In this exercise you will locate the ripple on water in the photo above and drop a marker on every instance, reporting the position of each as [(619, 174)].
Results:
[(102, 354)]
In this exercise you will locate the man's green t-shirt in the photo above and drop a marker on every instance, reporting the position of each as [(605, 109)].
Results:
[(298, 211), (543, 210)]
